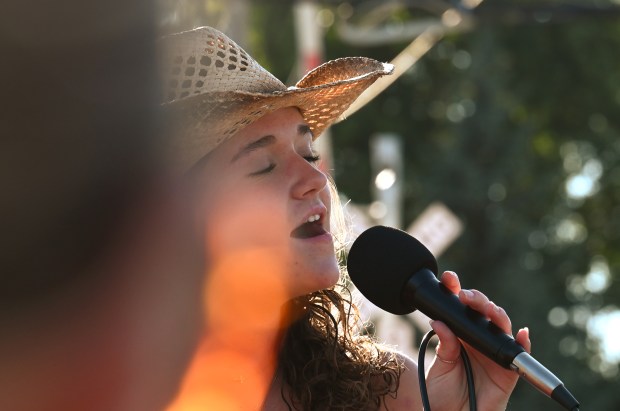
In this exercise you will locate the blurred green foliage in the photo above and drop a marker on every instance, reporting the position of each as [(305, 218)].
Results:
[(515, 127)]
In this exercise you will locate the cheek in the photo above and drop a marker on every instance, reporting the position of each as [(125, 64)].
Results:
[(244, 218)]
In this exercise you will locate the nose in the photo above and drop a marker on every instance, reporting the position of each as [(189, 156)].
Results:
[(308, 179)]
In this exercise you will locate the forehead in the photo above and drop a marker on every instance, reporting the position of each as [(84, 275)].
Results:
[(284, 119), (281, 123)]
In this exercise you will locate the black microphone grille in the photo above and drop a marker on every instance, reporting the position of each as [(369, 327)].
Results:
[(380, 263)]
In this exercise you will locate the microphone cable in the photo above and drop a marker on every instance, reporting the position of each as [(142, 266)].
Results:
[(471, 389)]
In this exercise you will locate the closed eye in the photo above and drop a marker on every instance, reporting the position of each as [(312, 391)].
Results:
[(266, 170), (312, 159)]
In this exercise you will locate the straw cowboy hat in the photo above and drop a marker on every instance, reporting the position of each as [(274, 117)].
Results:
[(215, 88)]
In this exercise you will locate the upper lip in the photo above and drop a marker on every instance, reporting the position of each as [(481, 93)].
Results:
[(319, 210)]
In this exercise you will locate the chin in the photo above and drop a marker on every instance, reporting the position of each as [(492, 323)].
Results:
[(315, 278)]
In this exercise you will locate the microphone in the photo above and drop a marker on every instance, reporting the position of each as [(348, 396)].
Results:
[(398, 274)]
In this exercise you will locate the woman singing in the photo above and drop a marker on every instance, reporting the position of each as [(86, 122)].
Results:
[(281, 332)]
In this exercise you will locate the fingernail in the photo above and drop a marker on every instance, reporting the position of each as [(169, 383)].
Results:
[(468, 294)]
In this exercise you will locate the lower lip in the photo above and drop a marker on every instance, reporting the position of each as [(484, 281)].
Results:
[(322, 238)]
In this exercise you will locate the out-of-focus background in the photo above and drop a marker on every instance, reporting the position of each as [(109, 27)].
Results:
[(497, 144)]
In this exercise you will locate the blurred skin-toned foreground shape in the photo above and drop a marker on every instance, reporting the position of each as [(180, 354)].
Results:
[(119, 338), (99, 275)]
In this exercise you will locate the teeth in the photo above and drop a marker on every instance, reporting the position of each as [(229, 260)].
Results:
[(314, 218)]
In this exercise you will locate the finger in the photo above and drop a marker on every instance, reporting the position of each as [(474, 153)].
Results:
[(498, 316), (476, 300), (449, 347), (480, 302), (523, 338), (451, 280)]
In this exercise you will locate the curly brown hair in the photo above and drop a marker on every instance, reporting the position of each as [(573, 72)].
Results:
[(328, 361)]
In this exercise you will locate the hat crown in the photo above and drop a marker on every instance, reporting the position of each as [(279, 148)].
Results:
[(205, 60)]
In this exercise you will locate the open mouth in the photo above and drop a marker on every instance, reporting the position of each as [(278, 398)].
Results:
[(309, 229)]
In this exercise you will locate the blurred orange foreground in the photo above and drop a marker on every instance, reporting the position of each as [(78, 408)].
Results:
[(234, 364)]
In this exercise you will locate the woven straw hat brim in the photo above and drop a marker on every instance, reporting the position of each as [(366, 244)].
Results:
[(211, 118), (213, 88)]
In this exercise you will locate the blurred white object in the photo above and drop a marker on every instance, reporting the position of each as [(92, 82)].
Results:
[(437, 227), (386, 159)]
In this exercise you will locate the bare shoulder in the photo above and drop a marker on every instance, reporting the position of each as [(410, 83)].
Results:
[(408, 395)]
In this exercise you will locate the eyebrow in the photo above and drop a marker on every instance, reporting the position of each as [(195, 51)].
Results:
[(255, 145), (266, 141)]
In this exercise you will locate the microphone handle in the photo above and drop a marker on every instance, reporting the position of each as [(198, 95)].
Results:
[(428, 295)]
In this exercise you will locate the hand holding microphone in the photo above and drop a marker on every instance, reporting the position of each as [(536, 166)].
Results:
[(398, 274), (494, 384)]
